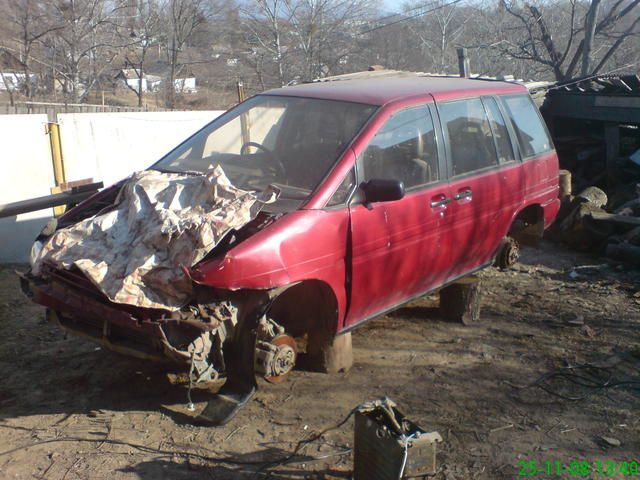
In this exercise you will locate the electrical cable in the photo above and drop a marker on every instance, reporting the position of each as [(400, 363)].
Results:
[(225, 460), (439, 7), (397, 14), (405, 441), (303, 443), (592, 379)]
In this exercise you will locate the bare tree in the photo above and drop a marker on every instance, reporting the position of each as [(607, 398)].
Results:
[(87, 44), (144, 30), (327, 32), (439, 31), (32, 22), (546, 33), (183, 20), (268, 23)]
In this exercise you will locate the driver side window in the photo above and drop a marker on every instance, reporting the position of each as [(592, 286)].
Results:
[(404, 149)]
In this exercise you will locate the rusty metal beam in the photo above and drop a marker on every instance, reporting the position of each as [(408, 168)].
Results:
[(74, 196)]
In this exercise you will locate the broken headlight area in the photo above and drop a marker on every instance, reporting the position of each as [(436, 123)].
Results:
[(196, 336), (274, 353)]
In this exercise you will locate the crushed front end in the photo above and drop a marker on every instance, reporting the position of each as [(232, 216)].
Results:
[(195, 333), (116, 271)]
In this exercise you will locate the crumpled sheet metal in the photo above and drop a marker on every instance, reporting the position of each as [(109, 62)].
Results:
[(160, 222)]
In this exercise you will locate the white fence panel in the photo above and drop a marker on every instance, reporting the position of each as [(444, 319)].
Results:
[(26, 172), (110, 146)]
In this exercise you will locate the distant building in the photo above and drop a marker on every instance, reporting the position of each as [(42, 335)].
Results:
[(130, 77), (13, 80), (185, 85)]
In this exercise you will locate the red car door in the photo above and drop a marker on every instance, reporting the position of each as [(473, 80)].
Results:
[(486, 181), (395, 246)]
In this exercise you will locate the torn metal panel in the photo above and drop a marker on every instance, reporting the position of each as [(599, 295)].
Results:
[(134, 251)]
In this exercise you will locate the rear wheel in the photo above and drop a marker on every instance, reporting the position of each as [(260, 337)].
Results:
[(508, 253)]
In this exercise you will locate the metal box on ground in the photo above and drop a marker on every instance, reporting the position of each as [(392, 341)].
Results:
[(387, 446)]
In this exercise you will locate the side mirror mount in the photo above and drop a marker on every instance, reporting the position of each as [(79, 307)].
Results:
[(382, 190)]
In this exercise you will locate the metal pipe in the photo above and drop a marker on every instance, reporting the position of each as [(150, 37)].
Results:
[(48, 201)]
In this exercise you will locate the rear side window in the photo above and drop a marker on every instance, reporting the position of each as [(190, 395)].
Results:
[(531, 132), (500, 132), (469, 135), (404, 149)]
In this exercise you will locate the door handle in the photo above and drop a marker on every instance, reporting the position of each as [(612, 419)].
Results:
[(463, 194), (440, 202)]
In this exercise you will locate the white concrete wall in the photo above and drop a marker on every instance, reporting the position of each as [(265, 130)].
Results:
[(102, 146), (110, 146), (26, 171)]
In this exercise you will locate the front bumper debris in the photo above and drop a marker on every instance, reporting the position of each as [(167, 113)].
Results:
[(228, 335), (180, 338)]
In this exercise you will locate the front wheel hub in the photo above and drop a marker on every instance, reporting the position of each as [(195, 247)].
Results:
[(276, 358)]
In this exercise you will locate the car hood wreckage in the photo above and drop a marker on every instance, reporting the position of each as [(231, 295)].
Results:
[(118, 266)]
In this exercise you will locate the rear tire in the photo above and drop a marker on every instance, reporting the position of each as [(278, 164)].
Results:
[(508, 253)]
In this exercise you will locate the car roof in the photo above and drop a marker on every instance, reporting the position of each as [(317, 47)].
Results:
[(380, 90)]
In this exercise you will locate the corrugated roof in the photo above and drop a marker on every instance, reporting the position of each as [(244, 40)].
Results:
[(604, 85)]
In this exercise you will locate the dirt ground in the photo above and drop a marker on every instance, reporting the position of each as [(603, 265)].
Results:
[(70, 410)]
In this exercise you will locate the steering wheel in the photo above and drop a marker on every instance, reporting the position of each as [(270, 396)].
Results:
[(274, 160)]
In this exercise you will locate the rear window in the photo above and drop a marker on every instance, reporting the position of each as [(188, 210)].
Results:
[(530, 130)]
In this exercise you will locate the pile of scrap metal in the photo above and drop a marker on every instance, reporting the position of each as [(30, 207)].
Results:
[(591, 221), (595, 125)]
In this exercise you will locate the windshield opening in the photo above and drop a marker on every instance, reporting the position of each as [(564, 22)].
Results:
[(288, 142)]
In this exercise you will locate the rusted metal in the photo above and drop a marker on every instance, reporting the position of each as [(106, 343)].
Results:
[(76, 195), (281, 358), (82, 310), (565, 185), (388, 446), (508, 253), (275, 353)]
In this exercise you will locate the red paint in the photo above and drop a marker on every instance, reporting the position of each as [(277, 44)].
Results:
[(378, 256), (383, 91), (396, 249)]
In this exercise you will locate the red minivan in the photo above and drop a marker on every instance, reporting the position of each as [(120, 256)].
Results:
[(390, 188)]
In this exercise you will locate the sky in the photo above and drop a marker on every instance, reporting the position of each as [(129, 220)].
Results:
[(392, 6)]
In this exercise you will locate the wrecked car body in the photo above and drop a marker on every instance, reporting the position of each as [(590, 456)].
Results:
[(324, 205)]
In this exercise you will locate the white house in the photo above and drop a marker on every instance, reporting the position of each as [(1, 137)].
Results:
[(13, 80), (131, 78), (152, 83), (185, 85)]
